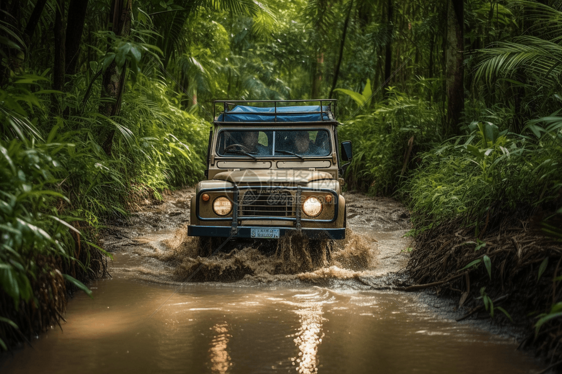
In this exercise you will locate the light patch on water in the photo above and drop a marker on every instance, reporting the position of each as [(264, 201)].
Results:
[(308, 338), (432, 332), (197, 309), (220, 358)]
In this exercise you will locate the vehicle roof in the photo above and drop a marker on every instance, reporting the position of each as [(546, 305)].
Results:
[(234, 113)]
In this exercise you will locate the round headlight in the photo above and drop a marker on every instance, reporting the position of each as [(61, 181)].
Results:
[(312, 207), (222, 206)]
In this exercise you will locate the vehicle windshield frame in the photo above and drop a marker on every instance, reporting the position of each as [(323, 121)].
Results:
[(273, 130)]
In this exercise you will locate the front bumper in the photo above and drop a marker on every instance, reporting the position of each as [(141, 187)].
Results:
[(246, 232)]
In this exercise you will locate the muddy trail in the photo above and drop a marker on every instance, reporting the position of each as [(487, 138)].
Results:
[(153, 245), (264, 307)]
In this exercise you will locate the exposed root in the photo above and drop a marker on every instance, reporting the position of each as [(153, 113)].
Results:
[(516, 253), (50, 293)]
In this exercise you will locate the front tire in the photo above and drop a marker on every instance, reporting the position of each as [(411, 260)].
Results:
[(206, 245)]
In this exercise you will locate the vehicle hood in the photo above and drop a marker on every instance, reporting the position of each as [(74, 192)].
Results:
[(273, 176)]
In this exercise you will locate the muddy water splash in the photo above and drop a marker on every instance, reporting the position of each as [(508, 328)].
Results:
[(153, 245), (292, 257)]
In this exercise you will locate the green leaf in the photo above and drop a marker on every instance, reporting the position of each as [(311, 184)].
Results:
[(136, 53), (107, 61), (122, 53), (359, 99), (474, 151), (480, 245), (545, 319), (367, 91), (504, 312), (78, 284), (488, 264), (64, 223), (556, 308), (489, 131), (100, 249), (542, 268), (9, 322), (473, 263)]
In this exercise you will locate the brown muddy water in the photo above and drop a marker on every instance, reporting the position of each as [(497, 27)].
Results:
[(257, 309)]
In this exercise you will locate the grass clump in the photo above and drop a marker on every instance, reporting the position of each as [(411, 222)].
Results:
[(469, 175)]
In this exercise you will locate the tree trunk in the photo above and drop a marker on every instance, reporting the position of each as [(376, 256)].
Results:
[(317, 78), (74, 30), (58, 67), (430, 67), (388, 47), (34, 19), (342, 46), (114, 81), (455, 70)]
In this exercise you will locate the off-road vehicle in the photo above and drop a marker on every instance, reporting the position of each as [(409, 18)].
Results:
[(272, 169)]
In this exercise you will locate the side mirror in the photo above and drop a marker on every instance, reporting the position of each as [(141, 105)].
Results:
[(346, 151)]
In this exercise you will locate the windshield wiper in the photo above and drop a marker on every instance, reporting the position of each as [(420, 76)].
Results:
[(290, 153), (239, 152)]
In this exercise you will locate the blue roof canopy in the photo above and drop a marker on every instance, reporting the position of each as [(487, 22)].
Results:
[(309, 113)]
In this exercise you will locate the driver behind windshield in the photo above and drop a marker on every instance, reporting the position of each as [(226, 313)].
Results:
[(250, 142), (303, 145)]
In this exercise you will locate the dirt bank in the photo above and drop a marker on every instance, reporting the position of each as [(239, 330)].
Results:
[(509, 274)]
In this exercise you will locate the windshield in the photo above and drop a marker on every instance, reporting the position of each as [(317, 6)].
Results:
[(284, 143)]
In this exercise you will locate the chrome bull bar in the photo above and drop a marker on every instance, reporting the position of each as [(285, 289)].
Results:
[(297, 205)]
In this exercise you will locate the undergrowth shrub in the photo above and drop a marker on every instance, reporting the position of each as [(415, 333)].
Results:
[(386, 140), (467, 176), (57, 185)]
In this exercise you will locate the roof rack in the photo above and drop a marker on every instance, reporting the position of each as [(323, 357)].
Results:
[(234, 113)]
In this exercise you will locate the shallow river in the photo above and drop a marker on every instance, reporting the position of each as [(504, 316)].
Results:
[(146, 319), (136, 327)]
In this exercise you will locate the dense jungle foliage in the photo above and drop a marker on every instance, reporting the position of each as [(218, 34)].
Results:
[(452, 105)]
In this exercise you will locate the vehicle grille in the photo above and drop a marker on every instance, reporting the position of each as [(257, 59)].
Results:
[(266, 203)]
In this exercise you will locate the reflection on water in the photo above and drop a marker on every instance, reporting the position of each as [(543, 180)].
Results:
[(133, 327), (220, 359), (309, 338)]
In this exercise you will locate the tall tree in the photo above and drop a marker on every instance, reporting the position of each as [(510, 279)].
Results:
[(317, 67), (74, 29), (34, 19), (113, 82), (59, 61), (454, 64), (342, 46), (321, 15), (388, 47)]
